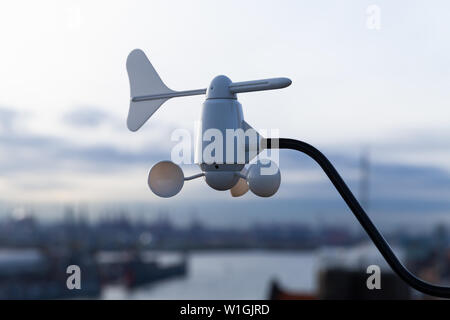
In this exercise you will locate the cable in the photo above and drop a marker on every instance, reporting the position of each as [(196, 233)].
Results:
[(361, 215)]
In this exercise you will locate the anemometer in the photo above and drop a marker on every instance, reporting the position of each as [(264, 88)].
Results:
[(228, 167)]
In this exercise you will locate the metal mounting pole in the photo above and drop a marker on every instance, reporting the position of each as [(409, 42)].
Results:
[(361, 215)]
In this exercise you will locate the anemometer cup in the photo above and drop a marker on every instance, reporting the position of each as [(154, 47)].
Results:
[(241, 187), (264, 179), (166, 179)]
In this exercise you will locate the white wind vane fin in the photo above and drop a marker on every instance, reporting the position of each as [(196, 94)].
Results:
[(144, 80), (148, 92)]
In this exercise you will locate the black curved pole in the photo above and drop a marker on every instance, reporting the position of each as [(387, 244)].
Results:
[(361, 215)]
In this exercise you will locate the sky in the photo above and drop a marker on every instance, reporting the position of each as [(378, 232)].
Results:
[(64, 98)]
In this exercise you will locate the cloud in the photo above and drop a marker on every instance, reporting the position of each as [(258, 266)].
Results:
[(86, 117), (25, 152), (7, 118), (63, 167)]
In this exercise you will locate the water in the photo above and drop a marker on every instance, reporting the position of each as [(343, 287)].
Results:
[(231, 275)]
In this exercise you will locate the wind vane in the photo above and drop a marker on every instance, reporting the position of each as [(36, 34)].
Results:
[(222, 112)]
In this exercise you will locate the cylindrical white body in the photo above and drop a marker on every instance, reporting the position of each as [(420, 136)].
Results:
[(221, 111)]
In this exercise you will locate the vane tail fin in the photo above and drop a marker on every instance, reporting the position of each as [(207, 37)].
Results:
[(144, 81)]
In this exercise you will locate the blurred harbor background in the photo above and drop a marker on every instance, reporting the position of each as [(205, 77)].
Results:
[(125, 258)]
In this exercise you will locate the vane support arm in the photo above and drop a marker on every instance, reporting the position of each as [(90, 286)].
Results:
[(361, 216), (168, 95)]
